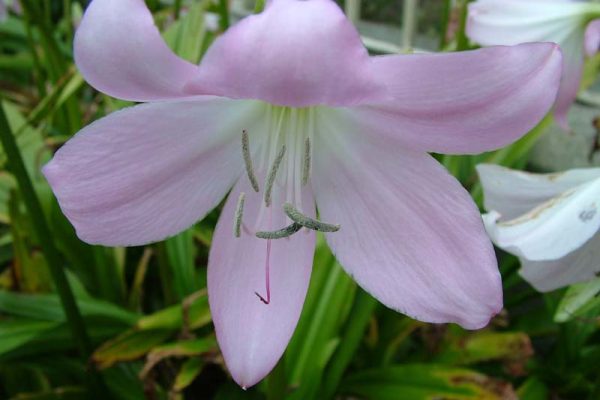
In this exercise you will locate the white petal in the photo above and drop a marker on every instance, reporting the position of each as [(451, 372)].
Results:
[(579, 266), (553, 229), (513, 193)]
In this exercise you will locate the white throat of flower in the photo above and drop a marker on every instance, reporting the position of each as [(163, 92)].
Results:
[(286, 155)]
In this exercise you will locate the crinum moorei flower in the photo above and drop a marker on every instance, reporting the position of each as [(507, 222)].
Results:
[(550, 221), (572, 24), (288, 108)]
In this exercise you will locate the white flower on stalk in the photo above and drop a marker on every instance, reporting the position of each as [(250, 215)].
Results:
[(572, 24), (549, 221)]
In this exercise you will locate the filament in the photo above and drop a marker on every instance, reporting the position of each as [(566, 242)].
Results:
[(307, 162)]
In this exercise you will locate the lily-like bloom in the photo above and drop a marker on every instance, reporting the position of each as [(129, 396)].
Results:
[(572, 24), (288, 108), (550, 221)]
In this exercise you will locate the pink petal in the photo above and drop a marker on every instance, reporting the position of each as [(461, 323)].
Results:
[(592, 38), (295, 53), (253, 335), (513, 193), (150, 171), (465, 102), (410, 234), (120, 52)]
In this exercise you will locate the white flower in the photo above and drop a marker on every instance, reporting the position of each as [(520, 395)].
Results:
[(550, 221), (572, 24)]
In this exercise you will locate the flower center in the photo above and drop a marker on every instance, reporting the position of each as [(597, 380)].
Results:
[(284, 160)]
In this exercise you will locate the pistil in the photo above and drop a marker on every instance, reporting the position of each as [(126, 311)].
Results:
[(267, 300)]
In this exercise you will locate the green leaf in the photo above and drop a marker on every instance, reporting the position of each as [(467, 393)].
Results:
[(194, 307), (29, 141), (7, 183), (185, 348), (56, 340), (17, 332), (328, 302), (353, 332), (188, 372), (128, 346), (47, 307), (54, 100), (578, 300), (29, 269), (178, 265), (187, 35), (425, 382), (59, 393), (485, 346), (533, 389)]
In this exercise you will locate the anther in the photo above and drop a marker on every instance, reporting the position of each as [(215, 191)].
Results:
[(248, 161), (272, 175), (280, 234), (239, 214), (308, 222), (307, 162)]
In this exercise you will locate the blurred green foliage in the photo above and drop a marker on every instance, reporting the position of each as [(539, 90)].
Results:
[(146, 308)]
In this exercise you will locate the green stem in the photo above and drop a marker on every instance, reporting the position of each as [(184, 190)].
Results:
[(44, 236), (462, 41), (259, 6), (224, 14), (177, 8), (276, 382), (68, 16), (362, 310), (447, 14)]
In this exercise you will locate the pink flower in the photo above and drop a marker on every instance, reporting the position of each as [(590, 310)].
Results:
[(572, 24), (356, 131)]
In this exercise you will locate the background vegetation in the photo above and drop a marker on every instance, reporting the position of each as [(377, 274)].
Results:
[(145, 309)]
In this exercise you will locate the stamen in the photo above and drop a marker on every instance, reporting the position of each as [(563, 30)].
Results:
[(272, 175), (248, 161), (267, 277), (307, 162), (239, 214), (280, 234), (308, 222)]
